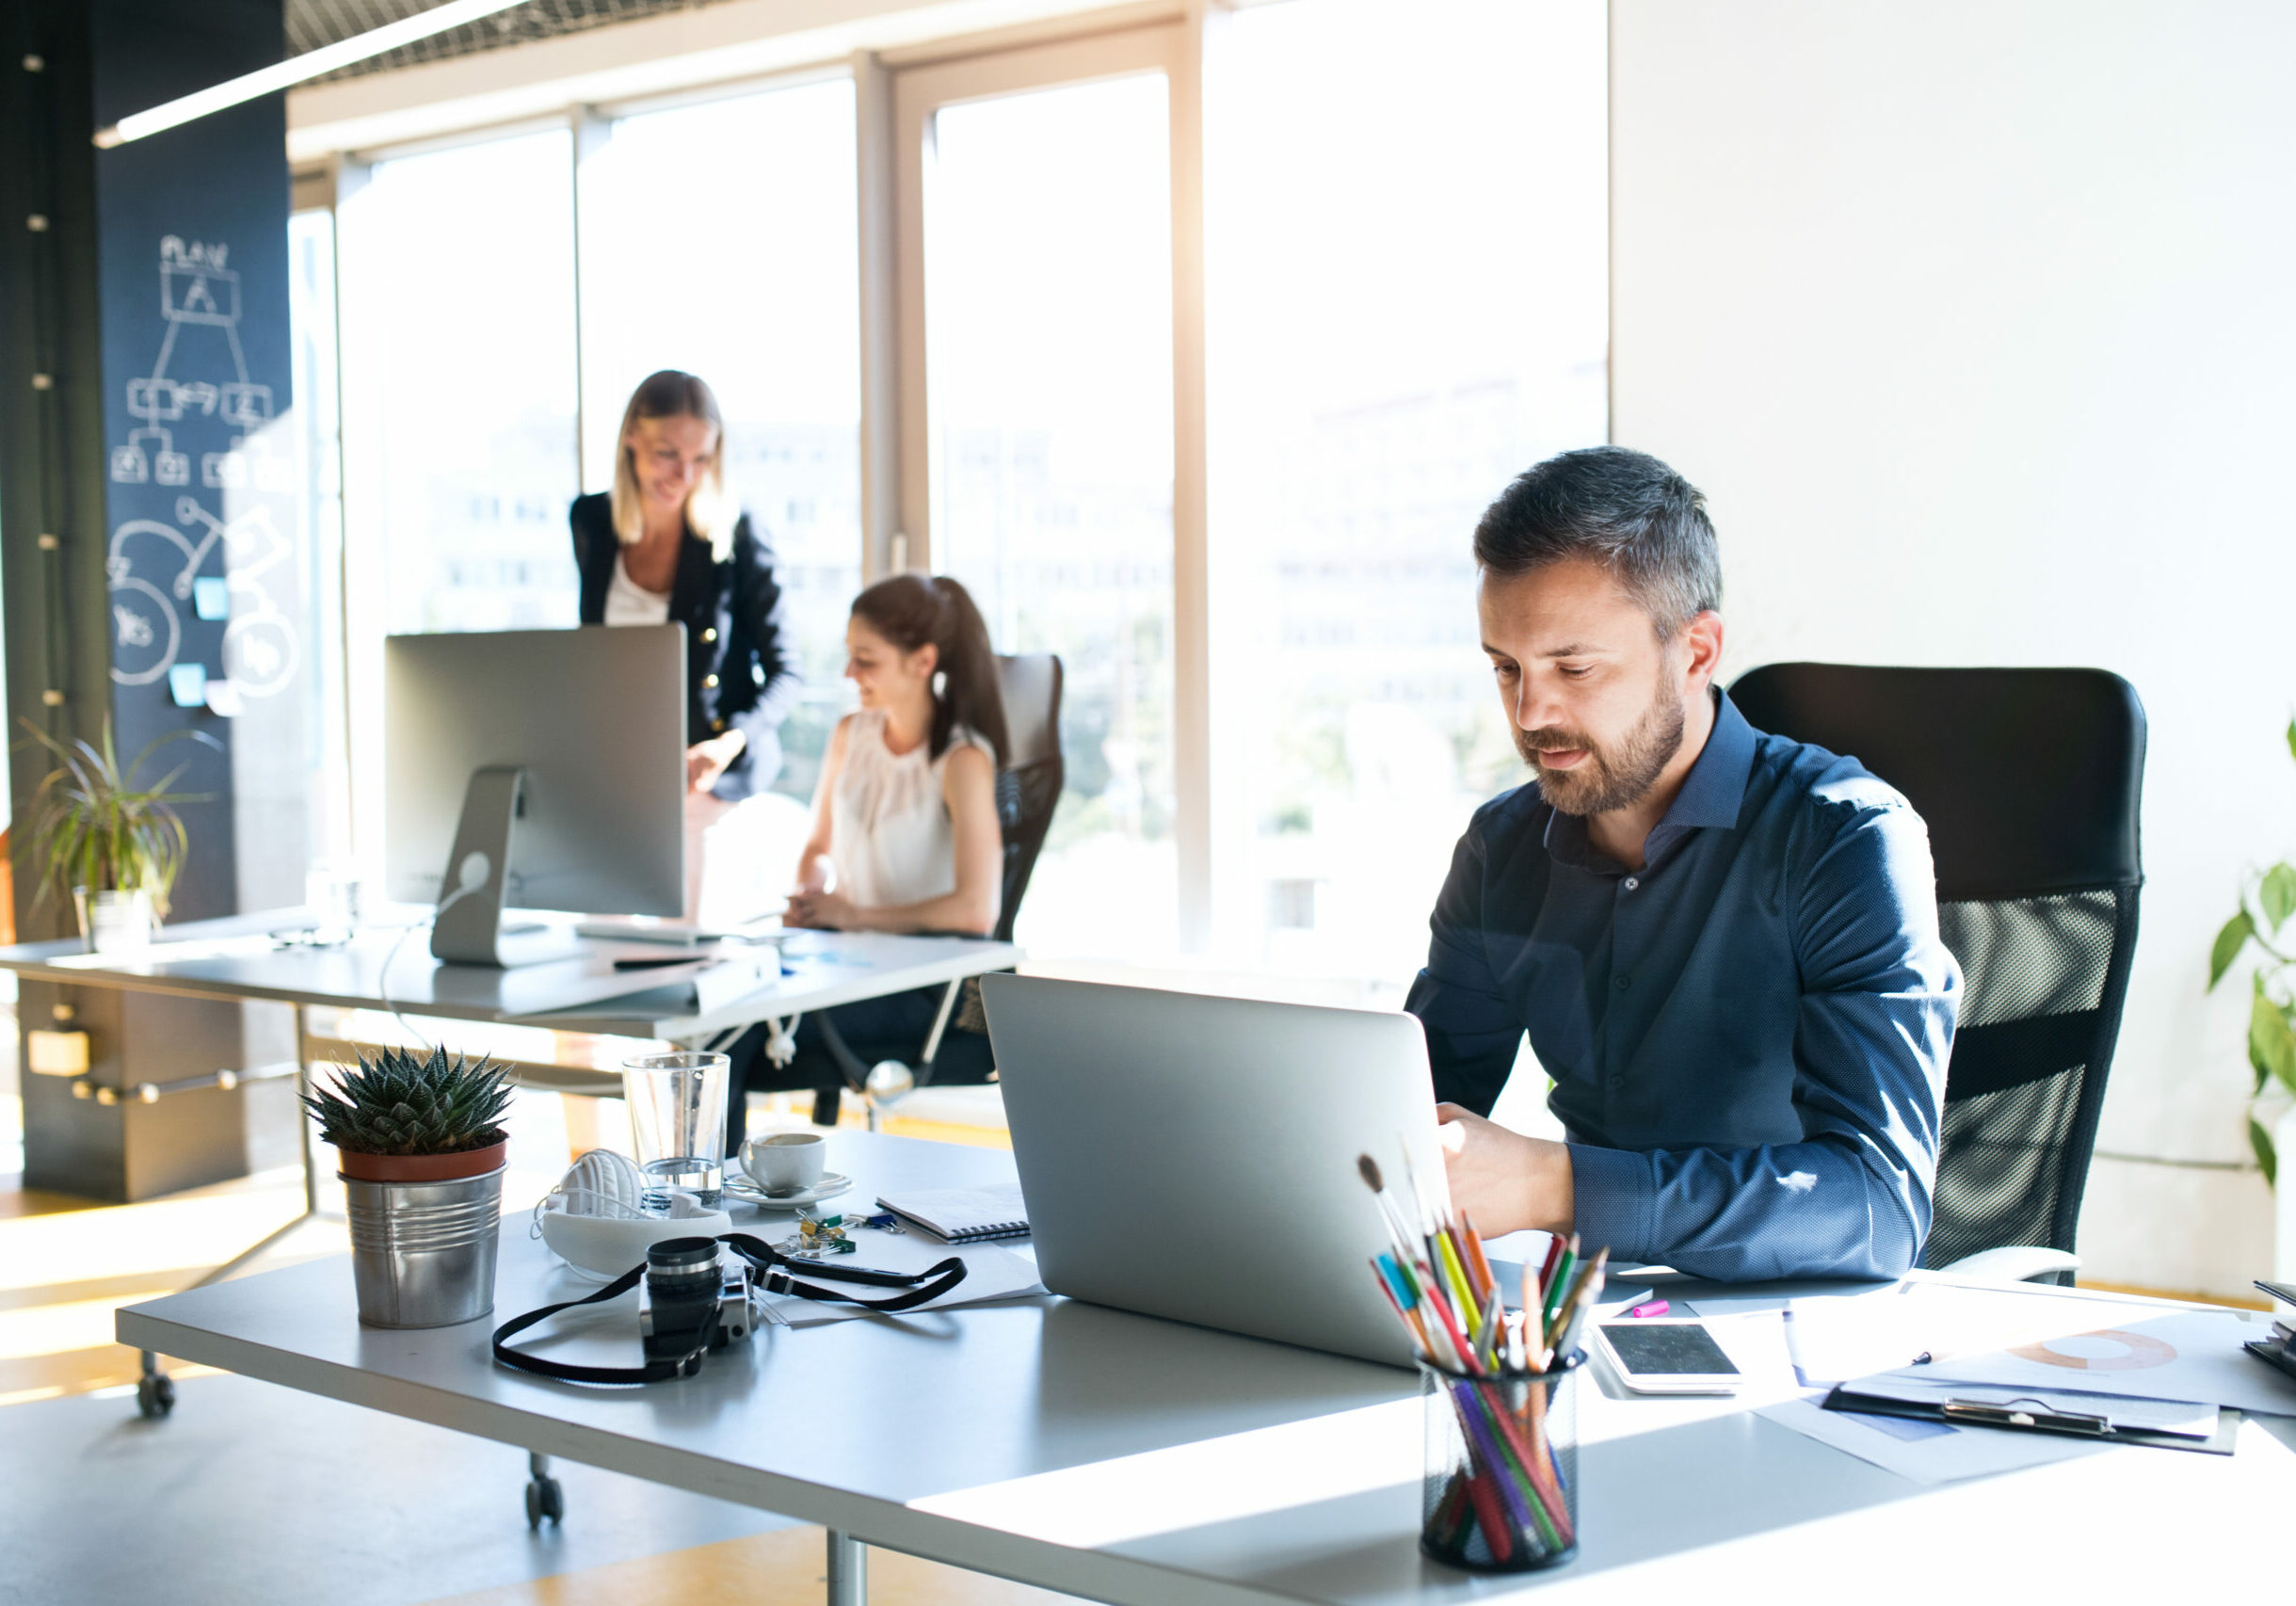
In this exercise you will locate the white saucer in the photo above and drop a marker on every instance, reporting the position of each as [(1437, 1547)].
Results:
[(746, 1189)]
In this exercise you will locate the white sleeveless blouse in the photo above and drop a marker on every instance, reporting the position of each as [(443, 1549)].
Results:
[(889, 833)]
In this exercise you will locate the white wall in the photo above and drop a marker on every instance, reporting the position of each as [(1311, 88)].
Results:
[(1976, 320)]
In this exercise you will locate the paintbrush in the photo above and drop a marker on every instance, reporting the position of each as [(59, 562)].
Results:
[(1392, 1213), (1428, 1216)]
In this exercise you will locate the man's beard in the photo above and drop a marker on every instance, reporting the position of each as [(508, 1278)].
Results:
[(1608, 779)]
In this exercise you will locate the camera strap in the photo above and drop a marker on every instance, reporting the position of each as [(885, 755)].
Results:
[(773, 1276)]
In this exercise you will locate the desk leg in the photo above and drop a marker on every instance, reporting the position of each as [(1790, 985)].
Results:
[(848, 1570), (303, 1116), (154, 1390)]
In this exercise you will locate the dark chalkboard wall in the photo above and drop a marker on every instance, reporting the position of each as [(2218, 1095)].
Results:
[(156, 303), (205, 561)]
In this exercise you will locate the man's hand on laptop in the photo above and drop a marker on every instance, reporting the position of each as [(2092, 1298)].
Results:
[(1505, 1180)]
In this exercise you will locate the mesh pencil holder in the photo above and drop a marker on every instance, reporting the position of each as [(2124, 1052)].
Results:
[(1501, 1486)]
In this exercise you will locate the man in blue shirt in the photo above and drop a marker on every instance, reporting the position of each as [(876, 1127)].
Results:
[(1723, 944)]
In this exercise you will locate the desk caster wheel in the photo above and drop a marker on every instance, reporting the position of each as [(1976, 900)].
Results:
[(155, 1395), (545, 1502)]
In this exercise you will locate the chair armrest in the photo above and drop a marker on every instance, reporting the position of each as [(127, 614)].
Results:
[(2020, 1262)]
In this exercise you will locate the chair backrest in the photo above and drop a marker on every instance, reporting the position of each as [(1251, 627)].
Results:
[(2030, 782), (1030, 776)]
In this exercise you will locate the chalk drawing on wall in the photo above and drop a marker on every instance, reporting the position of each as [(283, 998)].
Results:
[(150, 565), (261, 649), (198, 291)]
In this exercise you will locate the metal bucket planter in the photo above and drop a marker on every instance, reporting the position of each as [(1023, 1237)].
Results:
[(424, 1229)]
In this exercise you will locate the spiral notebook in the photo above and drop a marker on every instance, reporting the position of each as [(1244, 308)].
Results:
[(963, 1215)]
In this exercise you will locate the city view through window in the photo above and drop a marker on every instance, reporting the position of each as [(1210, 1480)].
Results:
[(1409, 309), (1048, 255), (1403, 312)]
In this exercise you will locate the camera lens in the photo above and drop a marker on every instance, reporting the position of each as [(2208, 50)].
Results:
[(678, 1316), (683, 1268), (675, 1256)]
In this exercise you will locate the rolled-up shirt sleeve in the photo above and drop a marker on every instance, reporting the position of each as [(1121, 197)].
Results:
[(1872, 1034), (1473, 1029)]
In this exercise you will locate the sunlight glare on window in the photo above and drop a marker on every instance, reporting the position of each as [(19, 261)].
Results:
[(1409, 288), (1048, 302)]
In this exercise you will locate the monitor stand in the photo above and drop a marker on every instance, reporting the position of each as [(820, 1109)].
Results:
[(468, 928)]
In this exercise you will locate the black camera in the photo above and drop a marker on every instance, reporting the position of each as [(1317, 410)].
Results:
[(688, 1304)]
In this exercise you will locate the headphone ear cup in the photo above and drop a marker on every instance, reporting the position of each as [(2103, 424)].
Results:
[(608, 1175)]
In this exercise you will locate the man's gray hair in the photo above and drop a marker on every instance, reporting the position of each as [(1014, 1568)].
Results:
[(1621, 508)]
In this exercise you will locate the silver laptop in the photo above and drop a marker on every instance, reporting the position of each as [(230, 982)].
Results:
[(1194, 1157)]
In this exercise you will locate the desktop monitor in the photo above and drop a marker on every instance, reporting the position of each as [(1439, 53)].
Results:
[(536, 769)]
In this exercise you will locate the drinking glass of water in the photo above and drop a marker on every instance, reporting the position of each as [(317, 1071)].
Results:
[(677, 1123)]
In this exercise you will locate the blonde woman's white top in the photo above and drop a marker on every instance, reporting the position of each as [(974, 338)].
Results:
[(889, 832), (628, 603)]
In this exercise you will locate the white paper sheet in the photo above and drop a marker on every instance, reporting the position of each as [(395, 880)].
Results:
[(1834, 1338), (991, 1272), (1928, 1453), (2190, 1355)]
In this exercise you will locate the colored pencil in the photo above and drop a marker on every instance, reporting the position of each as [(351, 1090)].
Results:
[(1438, 1279)]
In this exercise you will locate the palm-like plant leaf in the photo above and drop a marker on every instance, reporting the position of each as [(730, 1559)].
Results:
[(95, 826)]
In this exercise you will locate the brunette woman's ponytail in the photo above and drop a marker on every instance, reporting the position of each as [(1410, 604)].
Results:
[(910, 610)]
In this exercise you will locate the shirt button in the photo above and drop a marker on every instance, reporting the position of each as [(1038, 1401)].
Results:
[(709, 634), (1632, 882), (717, 724), (710, 681), (1621, 983)]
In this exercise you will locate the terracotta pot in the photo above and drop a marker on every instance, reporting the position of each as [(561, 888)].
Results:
[(419, 1167)]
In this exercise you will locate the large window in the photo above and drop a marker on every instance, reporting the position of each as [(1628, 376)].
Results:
[(720, 238), (1238, 506), (457, 329), (310, 289), (1410, 308), (1048, 257)]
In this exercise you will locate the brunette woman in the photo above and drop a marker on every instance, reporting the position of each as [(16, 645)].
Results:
[(904, 822)]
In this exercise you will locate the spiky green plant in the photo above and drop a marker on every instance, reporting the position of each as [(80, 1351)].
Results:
[(401, 1103)]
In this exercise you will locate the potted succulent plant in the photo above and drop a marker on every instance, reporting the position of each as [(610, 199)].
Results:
[(112, 845), (421, 1146)]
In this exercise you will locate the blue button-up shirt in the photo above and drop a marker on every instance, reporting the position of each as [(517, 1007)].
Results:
[(1747, 1035)]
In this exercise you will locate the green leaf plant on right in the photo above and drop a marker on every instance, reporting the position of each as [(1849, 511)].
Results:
[(2267, 898)]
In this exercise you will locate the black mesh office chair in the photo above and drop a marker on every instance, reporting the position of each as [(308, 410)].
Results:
[(2030, 782), (1028, 789)]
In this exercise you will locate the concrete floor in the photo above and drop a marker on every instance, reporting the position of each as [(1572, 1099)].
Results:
[(250, 1494), (255, 1495)]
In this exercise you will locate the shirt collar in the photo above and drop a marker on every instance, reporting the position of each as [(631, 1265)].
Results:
[(1711, 795), (1716, 784)]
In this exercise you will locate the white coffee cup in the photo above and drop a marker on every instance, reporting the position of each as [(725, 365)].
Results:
[(785, 1162)]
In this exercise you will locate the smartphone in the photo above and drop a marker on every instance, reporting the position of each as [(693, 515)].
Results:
[(1662, 1356)]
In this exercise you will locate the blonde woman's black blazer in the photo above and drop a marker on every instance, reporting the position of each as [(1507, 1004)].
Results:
[(741, 673)]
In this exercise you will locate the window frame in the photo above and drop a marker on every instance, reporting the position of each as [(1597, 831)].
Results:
[(909, 101)]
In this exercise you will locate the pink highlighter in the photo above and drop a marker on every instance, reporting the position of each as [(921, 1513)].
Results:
[(1652, 1307)]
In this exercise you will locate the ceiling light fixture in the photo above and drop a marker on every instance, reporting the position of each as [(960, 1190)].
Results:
[(298, 68)]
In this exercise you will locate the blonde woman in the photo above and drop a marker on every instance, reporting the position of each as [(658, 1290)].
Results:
[(668, 545)]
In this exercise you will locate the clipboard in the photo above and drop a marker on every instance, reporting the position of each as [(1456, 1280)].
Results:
[(2014, 1418)]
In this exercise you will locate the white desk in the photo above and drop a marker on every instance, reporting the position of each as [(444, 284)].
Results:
[(1146, 1462), (234, 959)]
